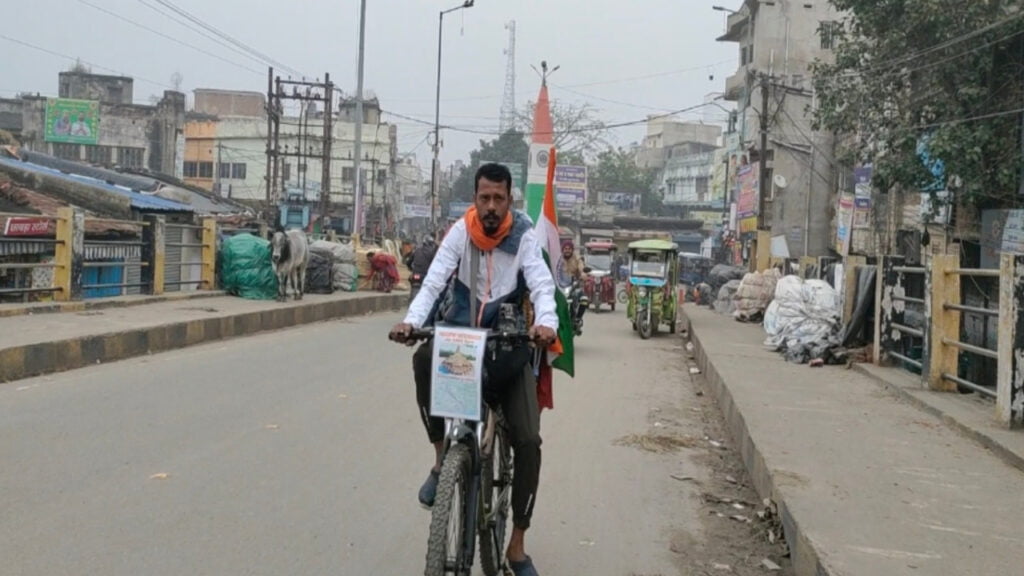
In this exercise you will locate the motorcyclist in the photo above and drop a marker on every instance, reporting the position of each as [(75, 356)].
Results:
[(422, 256), (510, 262), (572, 270)]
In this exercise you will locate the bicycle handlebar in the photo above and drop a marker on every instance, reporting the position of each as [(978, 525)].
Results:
[(426, 333)]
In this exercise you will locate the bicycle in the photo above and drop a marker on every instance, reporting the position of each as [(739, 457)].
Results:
[(474, 490)]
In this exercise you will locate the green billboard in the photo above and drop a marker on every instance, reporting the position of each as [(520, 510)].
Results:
[(518, 178), (72, 121)]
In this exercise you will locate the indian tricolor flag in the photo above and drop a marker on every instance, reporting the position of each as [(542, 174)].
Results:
[(541, 144), (560, 354)]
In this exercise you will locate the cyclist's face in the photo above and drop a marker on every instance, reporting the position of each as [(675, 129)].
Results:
[(492, 204)]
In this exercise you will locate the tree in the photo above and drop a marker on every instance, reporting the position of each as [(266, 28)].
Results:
[(938, 79), (509, 147), (579, 135), (616, 171)]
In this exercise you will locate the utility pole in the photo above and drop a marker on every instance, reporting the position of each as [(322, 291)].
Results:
[(357, 177), (762, 177), (216, 174), (325, 175)]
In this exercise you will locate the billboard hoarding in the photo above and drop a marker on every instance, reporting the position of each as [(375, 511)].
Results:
[(72, 121)]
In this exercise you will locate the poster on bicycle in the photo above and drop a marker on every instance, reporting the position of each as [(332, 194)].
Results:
[(457, 372)]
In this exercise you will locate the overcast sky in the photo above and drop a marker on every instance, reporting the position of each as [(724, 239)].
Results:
[(628, 58)]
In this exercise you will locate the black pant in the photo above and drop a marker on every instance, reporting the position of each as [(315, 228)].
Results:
[(522, 413)]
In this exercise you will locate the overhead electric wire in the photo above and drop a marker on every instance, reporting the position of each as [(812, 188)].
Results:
[(171, 38)]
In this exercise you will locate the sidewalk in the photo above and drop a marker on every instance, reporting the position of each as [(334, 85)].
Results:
[(36, 344), (867, 483), (8, 310)]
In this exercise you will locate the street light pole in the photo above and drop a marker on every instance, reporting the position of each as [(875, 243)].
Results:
[(435, 167), (357, 208)]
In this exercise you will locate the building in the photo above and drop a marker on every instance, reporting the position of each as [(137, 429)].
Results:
[(778, 40), (225, 149), (94, 120), (665, 135)]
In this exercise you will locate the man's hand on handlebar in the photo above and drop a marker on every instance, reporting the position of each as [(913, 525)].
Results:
[(543, 335), (401, 333)]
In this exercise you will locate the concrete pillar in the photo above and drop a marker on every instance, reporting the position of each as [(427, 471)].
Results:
[(69, 254), (153, 239), (942, 288), (1010, 379), (852, 264), (208, 275)]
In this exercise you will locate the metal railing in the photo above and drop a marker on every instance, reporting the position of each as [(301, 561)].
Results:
[(947, 370), (85, 268), (896, 337)]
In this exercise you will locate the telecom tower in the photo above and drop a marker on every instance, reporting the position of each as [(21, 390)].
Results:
[(508, 101)]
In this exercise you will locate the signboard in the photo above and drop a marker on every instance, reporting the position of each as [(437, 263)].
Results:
[(27, 227), (1002, 232), (747, 204), (861, 212), (710, 219), (844, 220), (416, 210), (72, 121), (570, 186)]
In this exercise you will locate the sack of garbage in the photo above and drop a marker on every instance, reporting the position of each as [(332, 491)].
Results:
[(804, 319), (753, 296), (318, 274), (246, 269), (721, 274), (339, 253), (346, 277), (725, 303)]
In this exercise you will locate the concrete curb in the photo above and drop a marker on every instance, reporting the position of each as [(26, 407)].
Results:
[(1005, 453), (104, 303), (806, 561), (50, 357)]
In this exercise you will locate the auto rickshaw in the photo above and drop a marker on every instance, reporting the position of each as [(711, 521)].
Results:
[(599, 284), (653, 275)]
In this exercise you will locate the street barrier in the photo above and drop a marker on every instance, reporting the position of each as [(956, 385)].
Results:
[(944, 353)]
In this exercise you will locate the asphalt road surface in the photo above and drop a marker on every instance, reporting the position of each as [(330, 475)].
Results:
[(300, 452)]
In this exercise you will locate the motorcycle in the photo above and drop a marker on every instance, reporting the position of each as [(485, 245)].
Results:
[(578, 304)]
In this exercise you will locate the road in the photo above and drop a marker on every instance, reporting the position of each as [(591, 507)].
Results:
[(300, 452)]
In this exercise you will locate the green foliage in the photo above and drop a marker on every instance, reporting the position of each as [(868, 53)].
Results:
[(616, 171), (509, 147), (946, 70)]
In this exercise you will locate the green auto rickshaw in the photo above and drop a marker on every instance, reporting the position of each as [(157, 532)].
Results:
[(651, 287)]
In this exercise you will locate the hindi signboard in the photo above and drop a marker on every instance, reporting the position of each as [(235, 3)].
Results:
[(570, 186), (72, 121), (27, 227), (456, 389), (747, 204)]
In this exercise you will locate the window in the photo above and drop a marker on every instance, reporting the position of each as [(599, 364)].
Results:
[(223, 170), (130, 157), (191, 169), (98, 154), (286, 172), (238, 171), (702, 189), (67, 151), (347, 174), (206, 170), (382, 175), (829, 33)]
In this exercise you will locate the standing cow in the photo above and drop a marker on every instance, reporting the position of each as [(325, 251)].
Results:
[(290, 256)]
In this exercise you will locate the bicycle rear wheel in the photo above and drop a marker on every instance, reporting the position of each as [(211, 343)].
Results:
[(446, 544), (496, 494)]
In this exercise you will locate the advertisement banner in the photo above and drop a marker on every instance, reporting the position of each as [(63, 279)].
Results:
[(747, 204), (416, 210), (570, 186), (72, 121), (844, 219)]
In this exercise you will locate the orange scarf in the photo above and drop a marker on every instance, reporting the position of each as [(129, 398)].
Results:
[(476, 230)]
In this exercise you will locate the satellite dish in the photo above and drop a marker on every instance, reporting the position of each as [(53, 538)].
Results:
[(780, 181)]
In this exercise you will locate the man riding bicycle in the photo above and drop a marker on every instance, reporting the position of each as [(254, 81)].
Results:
[(510, 264)]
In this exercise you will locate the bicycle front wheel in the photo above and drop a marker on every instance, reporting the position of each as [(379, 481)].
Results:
[(446, 545), (496, 494)]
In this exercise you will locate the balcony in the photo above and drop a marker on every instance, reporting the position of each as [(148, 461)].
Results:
[(736, 26), (736, 84)]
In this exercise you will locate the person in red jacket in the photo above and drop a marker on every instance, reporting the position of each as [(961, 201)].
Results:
[(384, 267)]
